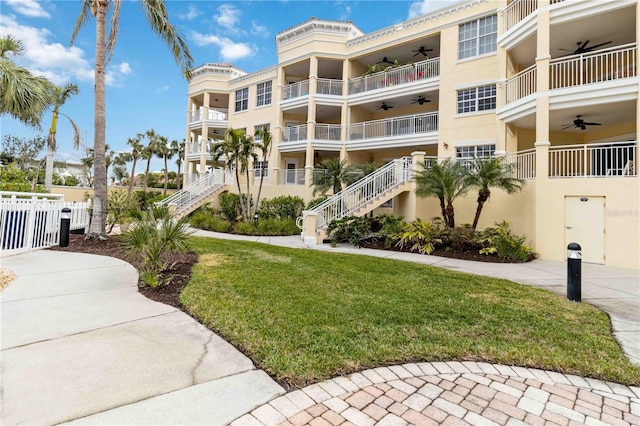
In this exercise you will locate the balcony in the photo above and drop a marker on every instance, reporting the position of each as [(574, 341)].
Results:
[(405, 75), (214, 117), (328, 86), (295, 90), (593, 160), (294, 176), (327, 136), (388, 127), (595, 67)]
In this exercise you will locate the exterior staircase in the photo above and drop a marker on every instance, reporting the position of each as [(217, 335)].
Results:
[(359, 198), (197, 193)]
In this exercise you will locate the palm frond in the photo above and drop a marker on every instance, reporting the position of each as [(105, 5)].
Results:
[(158, 19), (10, 43), (24, 96), (85, 15), (113, 31)]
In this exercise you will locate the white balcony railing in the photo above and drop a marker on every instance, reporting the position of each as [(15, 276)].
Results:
[(212, 114), (396, 126), (519, 85), (327, 86), (429, 68), (290, 176), (328, 132), (516, 12), (295, 90), (594, 67), (294, 133), (525, 163), (593, 160)]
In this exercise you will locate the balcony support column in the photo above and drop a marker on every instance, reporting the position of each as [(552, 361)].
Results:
[(308, 165), (204, 152)]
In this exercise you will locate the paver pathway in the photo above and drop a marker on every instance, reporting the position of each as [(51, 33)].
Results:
[(453, 393)]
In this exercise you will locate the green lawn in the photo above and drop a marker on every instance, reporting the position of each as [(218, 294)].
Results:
[(304, 315)]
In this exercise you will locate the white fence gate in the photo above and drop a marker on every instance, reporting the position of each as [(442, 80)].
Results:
[(30, 221)]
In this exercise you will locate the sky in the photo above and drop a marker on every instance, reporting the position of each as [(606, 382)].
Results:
[(144, 86)]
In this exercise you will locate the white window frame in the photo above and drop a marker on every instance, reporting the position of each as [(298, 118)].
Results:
[(486, 149), (261, 167), (242, 99), (476, 97), (478, 37), (264, 92)]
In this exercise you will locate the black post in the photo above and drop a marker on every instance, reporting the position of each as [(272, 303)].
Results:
[(65, 225), (574, 272)]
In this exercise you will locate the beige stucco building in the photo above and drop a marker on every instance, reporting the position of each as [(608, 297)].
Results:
[(516, 78)]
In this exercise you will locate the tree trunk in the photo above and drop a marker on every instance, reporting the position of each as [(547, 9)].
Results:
[(255, 210), (483, 196), (133, 171), (48, 171), (450, 216), (166, 175), (178, 179), (444, 211), (248, 197), (98, 218), (240, 191), (146, 175)]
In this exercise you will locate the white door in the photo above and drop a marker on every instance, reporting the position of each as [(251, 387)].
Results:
[(584, 224), (291, 171)]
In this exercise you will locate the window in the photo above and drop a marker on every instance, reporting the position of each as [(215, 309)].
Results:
[(261, 167), (264, 94), (476, 99), (242, 99), (260, 127), (475, 151), (477, 37)]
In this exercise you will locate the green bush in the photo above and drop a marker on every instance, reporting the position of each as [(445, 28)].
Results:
[(283, 207), (419, 236), (230, 208), (274, 227), (155, 235), (315, 202), (208, 221), (499, 240), (350, 229), (119, 203), (14, 179), (145, 199), (244, 228)]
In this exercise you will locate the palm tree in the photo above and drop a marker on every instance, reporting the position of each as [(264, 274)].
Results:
[(24, 96), (445, 180), (178, 149), (136, 150), (119, 165), (237, 148), (491, 172), (263, 144), (148, 152), (331, 174), (355, 172), (60, 96), (158, 19), (164, 150)]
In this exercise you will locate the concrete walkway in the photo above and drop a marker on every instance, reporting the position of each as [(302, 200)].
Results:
[(79, 340), (81, 345)]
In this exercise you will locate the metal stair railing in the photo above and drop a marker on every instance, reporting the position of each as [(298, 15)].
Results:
[(196, 191), (362, 192)]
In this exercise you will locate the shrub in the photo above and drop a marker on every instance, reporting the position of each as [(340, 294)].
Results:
[(230, 208), (156, 234), (244, 228), (350, 229), (315, 202), (277, 227), (208, 221), (283, 207), (499, 240), (419, 236), (119, 203), (145, 199), (389, 225)]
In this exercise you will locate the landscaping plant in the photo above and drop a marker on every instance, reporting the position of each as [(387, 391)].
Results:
[(283, 207), (501, 241), (418, 236)]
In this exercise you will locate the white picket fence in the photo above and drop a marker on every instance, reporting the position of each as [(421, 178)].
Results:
[(31, 221)]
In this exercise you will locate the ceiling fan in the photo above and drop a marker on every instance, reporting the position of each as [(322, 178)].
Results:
[(422, 50), (385, 107), (420, 100), (386, 61), (583, 48), (579, 123)]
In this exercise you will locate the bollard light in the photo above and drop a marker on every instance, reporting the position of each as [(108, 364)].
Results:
[(574, 272), (255, 217), (65, 225)]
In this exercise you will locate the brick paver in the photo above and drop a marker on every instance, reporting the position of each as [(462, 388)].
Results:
[(453, 393)]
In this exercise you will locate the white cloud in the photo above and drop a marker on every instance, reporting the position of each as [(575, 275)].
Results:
[(56, 62), (42, 57), (30, 8), (229, 50), (228, 17), (259, 30), (345, 13), (423, 7), (163, 89), (192, 13)]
